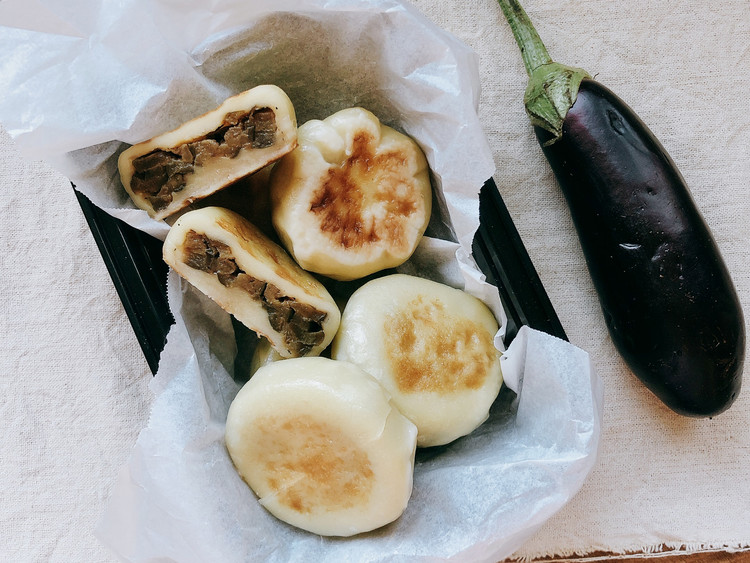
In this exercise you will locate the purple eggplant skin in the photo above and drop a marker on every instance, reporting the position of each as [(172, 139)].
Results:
[(668, 300)]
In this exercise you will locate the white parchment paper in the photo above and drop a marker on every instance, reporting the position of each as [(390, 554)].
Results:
[(87, 79)]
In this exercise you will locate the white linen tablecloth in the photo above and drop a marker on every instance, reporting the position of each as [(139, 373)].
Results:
[(75, 386)]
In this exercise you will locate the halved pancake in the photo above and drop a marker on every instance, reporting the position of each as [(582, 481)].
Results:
[(245, 133), (254, 279)]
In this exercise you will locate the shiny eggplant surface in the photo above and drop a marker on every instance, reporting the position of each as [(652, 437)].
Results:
[(668, 300), (667, 297)]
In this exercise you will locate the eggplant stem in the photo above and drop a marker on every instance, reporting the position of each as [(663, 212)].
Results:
[(533, 51), (552, 87)]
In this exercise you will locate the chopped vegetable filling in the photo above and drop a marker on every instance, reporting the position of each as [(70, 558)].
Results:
[(299, 324), (160, 173)]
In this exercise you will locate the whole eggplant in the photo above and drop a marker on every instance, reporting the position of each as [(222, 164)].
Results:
[(667, 297)]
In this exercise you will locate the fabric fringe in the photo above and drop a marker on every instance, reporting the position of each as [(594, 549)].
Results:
[(651, 551)]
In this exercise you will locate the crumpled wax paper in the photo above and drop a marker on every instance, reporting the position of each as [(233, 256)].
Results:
[(83, 81)]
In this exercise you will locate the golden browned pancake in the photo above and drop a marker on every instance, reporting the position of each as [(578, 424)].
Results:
[(354, 198), (431, 346)]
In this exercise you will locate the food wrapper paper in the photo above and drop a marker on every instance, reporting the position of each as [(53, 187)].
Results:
[(85, 80)]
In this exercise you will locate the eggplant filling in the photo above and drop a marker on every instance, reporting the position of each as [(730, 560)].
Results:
[(300, 324), (159, 174)]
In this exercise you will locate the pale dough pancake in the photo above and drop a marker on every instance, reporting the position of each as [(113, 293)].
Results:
[(322, 446)]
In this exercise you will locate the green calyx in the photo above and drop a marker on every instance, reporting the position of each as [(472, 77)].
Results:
[(553, 87), (551, 92)]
